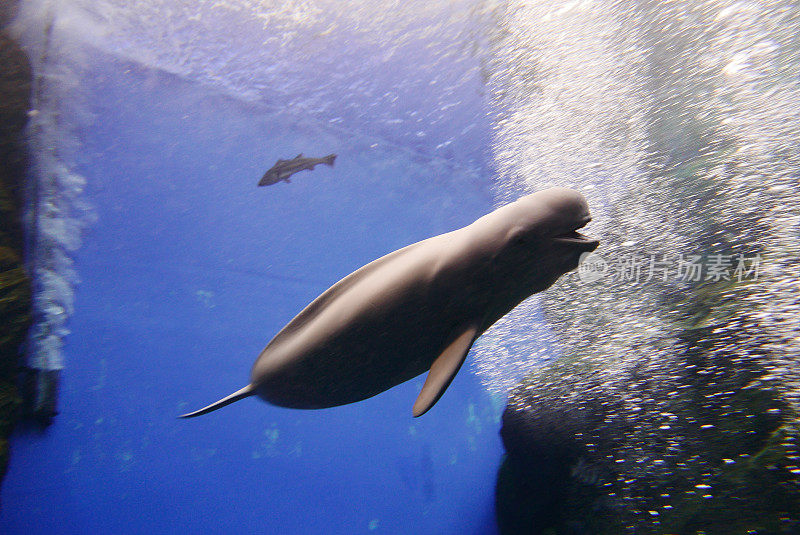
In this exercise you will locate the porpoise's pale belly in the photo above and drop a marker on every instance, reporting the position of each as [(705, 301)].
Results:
[(349, 353)]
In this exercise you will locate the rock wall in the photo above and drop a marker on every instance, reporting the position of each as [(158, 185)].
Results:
[(15, 288)]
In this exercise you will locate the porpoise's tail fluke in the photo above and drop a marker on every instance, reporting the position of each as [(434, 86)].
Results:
[(329, 159), (245, 392)]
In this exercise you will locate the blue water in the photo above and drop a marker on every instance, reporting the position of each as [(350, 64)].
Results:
[(188, 272)]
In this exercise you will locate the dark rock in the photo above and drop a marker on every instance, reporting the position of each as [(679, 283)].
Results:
[(713, 450), (40, 395), (15, 288), (15, 90)]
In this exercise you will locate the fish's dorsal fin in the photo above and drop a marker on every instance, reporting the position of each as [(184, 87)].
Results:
[(298, 156), (444, 369)]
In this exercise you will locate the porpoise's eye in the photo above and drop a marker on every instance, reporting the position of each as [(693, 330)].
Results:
[(516, 237), (522, 239)]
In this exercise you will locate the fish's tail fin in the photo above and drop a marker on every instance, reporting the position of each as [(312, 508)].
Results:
[(329, 159), (245, 392)]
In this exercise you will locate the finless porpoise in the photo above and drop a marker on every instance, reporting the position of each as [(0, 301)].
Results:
[(419, 308)]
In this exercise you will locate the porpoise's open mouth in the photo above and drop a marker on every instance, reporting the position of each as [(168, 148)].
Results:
[(575, 237)]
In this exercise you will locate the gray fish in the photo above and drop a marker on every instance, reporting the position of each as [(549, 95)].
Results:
[(283, 169), (419, 308)]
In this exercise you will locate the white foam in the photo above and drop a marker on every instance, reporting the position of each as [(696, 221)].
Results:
[(55, 212)]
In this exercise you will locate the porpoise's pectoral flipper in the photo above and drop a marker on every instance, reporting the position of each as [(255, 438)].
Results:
[(444, 368), (245, 392)]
